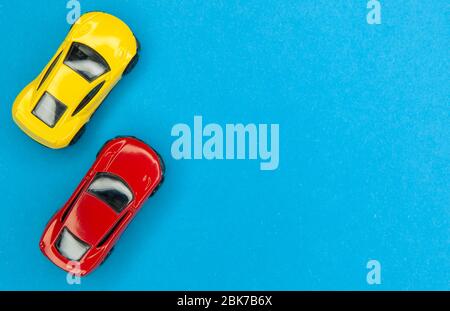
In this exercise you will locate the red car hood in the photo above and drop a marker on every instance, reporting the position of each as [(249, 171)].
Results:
[(144, 172), (90, 219)]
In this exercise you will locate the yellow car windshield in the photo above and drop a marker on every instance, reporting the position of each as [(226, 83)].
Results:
[(86, 62)]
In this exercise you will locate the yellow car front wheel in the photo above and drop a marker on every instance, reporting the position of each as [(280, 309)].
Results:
[(134, 60), (78, 135)]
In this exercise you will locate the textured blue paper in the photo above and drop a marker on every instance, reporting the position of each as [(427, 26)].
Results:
[(364, 146)]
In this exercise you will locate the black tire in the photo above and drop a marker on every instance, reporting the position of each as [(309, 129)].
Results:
[(131, 64), (157, 187), (103, 146), (78, 135), (107, 256), (138, 43), (163, 169)]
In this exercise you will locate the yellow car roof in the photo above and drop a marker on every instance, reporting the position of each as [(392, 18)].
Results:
[(69, 87)]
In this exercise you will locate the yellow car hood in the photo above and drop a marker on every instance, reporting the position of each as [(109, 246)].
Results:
[(117, 46)]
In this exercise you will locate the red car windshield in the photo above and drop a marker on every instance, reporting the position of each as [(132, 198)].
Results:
[(112, 190)]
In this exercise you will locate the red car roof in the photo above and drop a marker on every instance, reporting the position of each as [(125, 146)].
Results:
[(90, 219)]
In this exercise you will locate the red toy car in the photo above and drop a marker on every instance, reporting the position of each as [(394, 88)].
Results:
[(125, 174)]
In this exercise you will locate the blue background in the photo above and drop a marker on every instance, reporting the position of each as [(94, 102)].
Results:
[(364, 145)]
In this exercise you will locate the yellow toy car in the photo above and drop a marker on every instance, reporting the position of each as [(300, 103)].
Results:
[(55, 108)]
